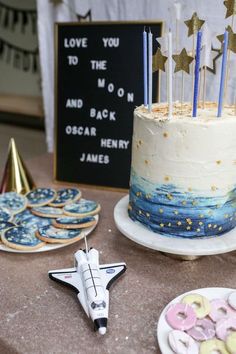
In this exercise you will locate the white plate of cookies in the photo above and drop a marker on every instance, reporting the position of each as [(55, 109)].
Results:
[(201, 321), (45, 219)]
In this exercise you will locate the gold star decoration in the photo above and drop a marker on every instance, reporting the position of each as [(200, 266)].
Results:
[(216, 54), (158, 61), (85, 18), (194, 24), (232, 39), (231, 8), (182, 61)]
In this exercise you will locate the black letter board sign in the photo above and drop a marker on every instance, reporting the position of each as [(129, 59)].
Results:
[(99, 82)]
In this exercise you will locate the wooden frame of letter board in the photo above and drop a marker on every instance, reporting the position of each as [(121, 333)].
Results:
[(146, 24)]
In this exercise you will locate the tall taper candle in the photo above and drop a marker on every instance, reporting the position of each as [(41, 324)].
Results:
[(150, 70), (145, 84), (170, 76), (223, 72), (196, 73)]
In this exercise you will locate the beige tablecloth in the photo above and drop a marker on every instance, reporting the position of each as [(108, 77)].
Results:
[(40, 316)]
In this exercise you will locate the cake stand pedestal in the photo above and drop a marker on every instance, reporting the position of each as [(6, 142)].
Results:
[(177, 247)]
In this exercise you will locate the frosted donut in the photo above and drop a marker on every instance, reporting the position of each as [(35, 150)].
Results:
[(211, 345), (203, 330), (231, 343), (224, 326), (181, 316), (181, 343), (202, 304), (219, 310), (232, 300)]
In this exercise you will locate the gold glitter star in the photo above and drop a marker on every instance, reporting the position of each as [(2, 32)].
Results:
[(182, 60), (194, 24), (159, 61), (232, 39), (231, 8)]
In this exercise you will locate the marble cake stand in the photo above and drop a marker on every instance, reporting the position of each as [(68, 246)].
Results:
[(182, 248)]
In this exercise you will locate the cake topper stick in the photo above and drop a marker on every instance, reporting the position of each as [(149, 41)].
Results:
[(170, 75), (145, 66), (223, 71), (158, 63), (177, 8), (194, 25), (149, 70), (196, 74), (182, 61)]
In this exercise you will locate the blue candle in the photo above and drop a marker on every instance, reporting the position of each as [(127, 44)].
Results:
[(196, 73), (149, 71), (223, 71), (145, 66)]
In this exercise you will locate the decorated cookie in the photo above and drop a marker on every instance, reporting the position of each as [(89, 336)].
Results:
[(181, 316), (40, 196), (5, 214), (47, 212), (204, 329), (21, 238), (231, 343), (232, 300), (65, 196), (220, 309), (31, 221), (213, 346), (224, 326), (6, 225), (54, 235), (74, 223), (202, 304), (82, 208), (180, 342), (14, 202)]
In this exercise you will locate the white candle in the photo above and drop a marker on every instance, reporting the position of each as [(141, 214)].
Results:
[(170, 76), (150, 71)]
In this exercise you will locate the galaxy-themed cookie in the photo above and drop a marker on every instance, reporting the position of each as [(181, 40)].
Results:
[(21, 238), (31, 221), (5, 214), (40, 196), (52, 234), (82, 208), (14, 202), (48, 212), (6, 225), (74, 223), (66, 196)]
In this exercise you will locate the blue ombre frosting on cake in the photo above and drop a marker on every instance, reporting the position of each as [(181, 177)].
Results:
[(171, 211), (183, 171)]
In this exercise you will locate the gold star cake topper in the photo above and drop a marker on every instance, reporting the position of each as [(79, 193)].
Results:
[(231, 8), (182, 61), (232, 39), (194, 24), (159, 61)]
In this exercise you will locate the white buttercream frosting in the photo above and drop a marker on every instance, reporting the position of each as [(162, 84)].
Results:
[(191, 153)]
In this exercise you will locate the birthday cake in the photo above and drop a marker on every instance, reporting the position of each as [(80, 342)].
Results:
[(183, 171)]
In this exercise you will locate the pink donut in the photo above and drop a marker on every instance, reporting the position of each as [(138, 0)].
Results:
[(181, 316), (219, 310), (224, 327), (204, 329), (181, 343)]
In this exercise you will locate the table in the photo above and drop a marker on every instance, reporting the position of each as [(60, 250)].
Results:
[(41, 316)]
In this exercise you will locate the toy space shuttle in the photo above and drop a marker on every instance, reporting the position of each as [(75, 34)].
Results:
[(91, 281)]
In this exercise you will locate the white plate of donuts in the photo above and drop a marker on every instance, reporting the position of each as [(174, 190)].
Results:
[(201, 321)]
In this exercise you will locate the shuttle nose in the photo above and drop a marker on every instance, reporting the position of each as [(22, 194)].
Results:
[(102, 330)]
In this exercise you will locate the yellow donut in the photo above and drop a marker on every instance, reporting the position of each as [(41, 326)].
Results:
[(211, 345), (202, 307), (231, 343)]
